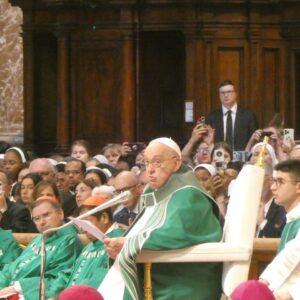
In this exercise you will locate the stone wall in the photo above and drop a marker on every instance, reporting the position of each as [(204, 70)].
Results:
[(11, 74)]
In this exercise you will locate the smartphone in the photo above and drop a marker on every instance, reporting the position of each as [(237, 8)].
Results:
[(241, 156), (288, 135), (1, 187), (219, 155), (201, 122), (136, 148)]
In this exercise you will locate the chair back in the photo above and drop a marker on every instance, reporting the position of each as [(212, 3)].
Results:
[(240, 223)]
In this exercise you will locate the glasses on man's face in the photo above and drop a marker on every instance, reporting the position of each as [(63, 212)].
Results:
[(226, 93), (119, 191), (46, 216), (157, 162), (280, 181), (203, 150)]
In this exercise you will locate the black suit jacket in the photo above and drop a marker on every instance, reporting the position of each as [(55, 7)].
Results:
[(17, 218), (245, 124), (276, 219)]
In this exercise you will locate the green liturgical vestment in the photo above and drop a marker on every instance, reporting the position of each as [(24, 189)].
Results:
[(89, 268), (9, 248), (62, 249), (289, 233), (181, 215)]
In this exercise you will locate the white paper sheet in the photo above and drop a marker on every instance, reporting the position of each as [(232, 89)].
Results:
[(89, 227)]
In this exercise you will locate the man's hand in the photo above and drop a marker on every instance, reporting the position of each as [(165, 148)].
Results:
[(198, 133), (217, 185), (125, 149), (283, 296), (114, 246), (8, 290)]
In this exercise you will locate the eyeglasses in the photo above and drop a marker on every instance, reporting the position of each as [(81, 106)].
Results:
[(119, 191), (156, 163), (203, 150), (45, 216), (280, 181)]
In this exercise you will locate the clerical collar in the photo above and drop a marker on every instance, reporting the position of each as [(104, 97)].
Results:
[(233, 109), (293, 214)]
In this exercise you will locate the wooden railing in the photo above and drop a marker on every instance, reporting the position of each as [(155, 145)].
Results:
[(264, 250)]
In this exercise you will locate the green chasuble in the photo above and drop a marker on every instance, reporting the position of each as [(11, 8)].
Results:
[(182, 216), (289, 233), (9, 248), (62, 249), (90, 267)]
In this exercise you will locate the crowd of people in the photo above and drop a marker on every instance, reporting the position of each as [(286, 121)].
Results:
[(178, 198)]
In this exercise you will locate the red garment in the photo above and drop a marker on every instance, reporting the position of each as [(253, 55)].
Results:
[(12, 297), (252, 289), (80, 292)]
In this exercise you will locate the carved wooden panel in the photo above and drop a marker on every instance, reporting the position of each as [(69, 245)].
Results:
[(161, 107), (270, 82), (230, 63), (96, 91), (45, 86)]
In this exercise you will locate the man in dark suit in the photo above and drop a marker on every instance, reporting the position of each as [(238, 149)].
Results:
[(271, 217), (232, 123)]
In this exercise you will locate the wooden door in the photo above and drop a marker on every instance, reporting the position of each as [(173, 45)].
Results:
[(161, 99)]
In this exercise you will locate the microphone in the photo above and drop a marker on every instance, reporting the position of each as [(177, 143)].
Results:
[(122, 197)]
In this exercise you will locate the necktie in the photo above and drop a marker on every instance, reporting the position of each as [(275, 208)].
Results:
[(228, 138)]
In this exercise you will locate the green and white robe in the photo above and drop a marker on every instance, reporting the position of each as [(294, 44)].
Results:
[(177, 215), (62, 249), (90, 267), (9, 248), (284, 270)]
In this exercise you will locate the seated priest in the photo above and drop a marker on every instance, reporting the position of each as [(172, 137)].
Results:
[(177, 213), (9, 247), (92, 264), (22, 277)]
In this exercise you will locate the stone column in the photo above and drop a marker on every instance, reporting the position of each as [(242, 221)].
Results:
[(11, 74)]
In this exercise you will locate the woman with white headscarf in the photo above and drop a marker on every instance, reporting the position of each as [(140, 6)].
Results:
[(269, 153)]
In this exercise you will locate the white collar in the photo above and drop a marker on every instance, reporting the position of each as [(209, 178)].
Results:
[(233, 109), (267, 206), (293, 214)]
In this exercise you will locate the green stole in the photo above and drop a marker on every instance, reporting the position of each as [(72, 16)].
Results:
[(160, 198), (289, 233)]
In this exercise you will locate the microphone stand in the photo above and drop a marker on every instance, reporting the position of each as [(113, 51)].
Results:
[(123, 197)]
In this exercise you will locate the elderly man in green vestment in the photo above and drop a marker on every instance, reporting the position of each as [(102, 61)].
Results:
[(92, 264), (177, 213), (62, 248), (9, 247)]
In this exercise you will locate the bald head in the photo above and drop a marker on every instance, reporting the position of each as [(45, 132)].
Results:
[(128, 181), (43, 167), (161, 162)]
